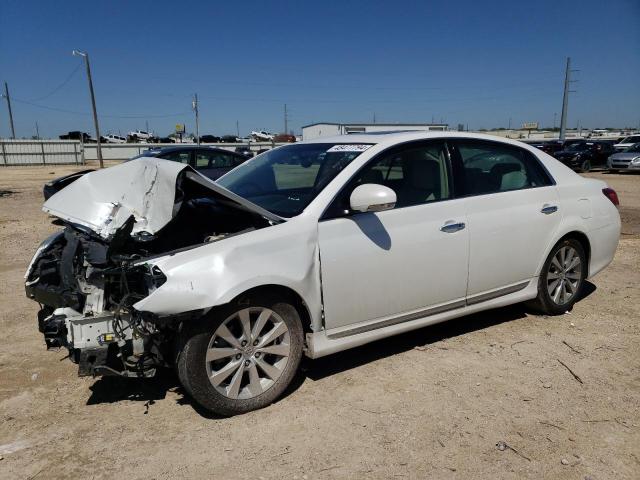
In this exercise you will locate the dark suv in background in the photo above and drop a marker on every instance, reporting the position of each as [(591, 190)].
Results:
[(582, 156)]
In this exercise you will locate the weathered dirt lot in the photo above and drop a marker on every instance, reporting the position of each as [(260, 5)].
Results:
[(429, 404)]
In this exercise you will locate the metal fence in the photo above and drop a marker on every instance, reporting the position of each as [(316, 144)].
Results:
[(40, 152), (72, 152)]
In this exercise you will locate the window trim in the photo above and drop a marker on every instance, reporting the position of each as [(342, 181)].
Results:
[(459, 170), (390, 150)]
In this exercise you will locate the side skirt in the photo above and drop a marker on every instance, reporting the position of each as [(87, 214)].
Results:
[(331, 341)]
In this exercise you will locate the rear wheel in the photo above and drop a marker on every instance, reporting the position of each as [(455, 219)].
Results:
[(562, 278), (244, 357), (585, 166)]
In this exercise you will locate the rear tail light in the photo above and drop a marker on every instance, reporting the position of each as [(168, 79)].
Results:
[(611, 194)]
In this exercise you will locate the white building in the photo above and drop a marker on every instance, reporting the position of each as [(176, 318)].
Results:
[(316, 130)]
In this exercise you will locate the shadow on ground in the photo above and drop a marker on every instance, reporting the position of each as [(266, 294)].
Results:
[(115, 389)]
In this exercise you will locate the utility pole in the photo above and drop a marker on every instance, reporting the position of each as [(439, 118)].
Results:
[(286, 120), (37, 132), (374, 117), (8, 98), (237, 129), (509, 123), (565, 99), (85, 55), (194, 104)]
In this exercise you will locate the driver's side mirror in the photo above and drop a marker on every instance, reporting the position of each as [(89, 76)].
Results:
[(371, 197)]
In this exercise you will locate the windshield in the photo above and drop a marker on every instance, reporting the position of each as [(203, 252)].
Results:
[(577, 147), (633, 139), (633, 148), (285, 180)]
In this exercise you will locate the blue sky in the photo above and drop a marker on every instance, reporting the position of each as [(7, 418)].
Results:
[(479, 63)]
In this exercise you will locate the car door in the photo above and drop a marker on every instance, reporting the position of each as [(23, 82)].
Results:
[(513, 211), (380, 268)]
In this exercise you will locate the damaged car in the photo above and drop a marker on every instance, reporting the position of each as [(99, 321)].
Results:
[(308, 249)]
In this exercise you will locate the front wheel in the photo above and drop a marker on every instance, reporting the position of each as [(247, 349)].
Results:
[(586, 166), (562, 278), (243, 357)]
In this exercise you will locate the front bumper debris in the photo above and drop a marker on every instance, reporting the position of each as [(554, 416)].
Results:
[(100, 345)]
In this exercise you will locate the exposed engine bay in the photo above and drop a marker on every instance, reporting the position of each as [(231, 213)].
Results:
[(88, 276)]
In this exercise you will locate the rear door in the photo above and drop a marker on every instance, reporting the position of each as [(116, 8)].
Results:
[(513, 211)]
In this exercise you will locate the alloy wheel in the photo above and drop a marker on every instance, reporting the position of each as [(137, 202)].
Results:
[(248, 352), (564, 275)]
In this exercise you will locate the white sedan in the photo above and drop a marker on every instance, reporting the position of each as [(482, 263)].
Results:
[(310, 248)]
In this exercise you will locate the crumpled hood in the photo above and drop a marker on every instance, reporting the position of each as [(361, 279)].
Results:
[(144, 188)]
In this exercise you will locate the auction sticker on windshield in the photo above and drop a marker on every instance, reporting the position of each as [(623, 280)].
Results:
[(349, 148)]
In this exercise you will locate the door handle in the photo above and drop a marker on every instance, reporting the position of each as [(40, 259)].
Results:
[(451, 227), (549, 209)]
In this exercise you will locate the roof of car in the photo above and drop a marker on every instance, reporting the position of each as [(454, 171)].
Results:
[(391, 138)]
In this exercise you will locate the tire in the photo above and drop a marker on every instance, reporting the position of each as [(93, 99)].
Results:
[(585, 166), (228, 368), (559, 289)]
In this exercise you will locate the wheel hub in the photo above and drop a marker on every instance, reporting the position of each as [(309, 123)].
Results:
[(248, 352), (564, 275)]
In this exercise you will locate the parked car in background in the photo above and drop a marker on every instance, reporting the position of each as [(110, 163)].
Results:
[(77, 135), (582, 156), (311, 248), (284, 138), (549, 147), (262, 136), (626, 142), (625, 160), (140, 135), (209, 139), (211, 162), (229, 139), (57, 184), (114, 139), (245, 151)]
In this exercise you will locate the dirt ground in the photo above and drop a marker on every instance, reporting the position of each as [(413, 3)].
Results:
[(429, 404)]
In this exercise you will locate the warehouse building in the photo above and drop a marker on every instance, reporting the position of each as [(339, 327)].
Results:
[(316, 130)]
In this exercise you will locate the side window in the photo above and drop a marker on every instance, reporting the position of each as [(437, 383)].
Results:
[(417, 173), (493, 167), (181, 157), (214, 160), (222, 160)]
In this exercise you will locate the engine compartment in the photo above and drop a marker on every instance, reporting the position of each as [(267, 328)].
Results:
[(86, 284)]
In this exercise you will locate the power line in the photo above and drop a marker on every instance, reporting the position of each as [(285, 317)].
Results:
[(59, 87), (130, 116)]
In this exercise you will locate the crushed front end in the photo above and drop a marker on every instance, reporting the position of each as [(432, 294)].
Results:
[(117, 222), (86, 293)]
